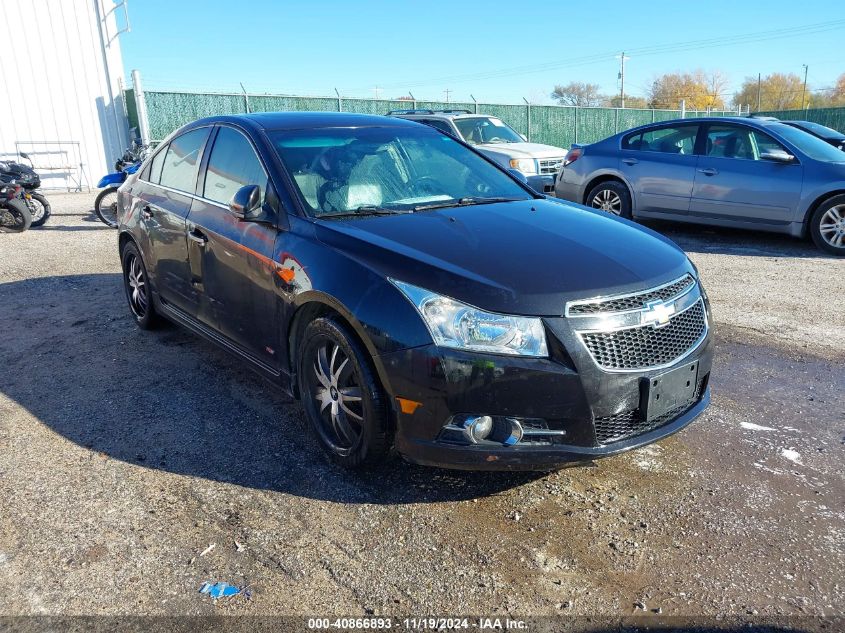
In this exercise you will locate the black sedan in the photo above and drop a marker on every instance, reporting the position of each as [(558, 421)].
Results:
[(827, 134), (413, 294)]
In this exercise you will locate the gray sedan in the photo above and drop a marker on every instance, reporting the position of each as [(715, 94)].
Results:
[(734, 172)]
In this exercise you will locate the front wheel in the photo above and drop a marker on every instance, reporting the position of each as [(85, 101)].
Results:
[(344, 403), (39, 208), (827, 226), (106, 207), (611, 196), (14, 217)]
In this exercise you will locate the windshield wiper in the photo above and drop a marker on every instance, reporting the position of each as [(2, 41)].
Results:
[(362, 211), (463, 202)]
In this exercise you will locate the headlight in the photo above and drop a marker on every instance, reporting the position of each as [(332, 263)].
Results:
[(524, 165), (460, 326)]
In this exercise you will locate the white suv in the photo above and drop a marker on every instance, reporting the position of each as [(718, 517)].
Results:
[(498, 141)]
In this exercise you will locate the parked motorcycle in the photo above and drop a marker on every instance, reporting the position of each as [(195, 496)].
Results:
[(25, 176), (14, 214), (106, 203)]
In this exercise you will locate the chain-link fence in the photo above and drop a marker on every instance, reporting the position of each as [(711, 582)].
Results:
[(554, 125)]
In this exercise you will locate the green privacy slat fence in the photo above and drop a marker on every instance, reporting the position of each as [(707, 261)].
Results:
[(554, 125), (831, 117)]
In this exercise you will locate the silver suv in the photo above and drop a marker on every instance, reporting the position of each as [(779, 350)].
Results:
[(498, 141)]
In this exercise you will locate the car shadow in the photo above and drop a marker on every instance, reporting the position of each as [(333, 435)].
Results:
[(697, 238), (168, 400)]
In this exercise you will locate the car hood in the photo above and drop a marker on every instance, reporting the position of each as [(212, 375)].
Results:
[(523, 150), (526, 258)]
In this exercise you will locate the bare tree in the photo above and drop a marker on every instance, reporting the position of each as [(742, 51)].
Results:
[(577, 93)]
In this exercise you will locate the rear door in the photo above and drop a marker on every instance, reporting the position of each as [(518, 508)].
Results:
[(734, 180), (231, 259), (659, 163), (165, 200)]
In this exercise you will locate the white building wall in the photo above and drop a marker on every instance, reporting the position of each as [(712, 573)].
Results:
[(60, 81)]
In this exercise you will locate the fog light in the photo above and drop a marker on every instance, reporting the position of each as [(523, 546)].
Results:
[(514, 432), (478, 428)]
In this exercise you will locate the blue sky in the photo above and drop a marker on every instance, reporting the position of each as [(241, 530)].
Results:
[(498, 52)]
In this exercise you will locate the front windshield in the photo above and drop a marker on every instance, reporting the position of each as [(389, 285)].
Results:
[(812, 146), (484, 129), (387, 169)]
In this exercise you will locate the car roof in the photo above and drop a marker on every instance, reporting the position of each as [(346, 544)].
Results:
[(439, 114), (759, 123), (304, 120)]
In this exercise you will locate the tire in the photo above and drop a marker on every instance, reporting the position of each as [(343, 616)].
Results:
[(611, 196), (40, 210), (14, 216), (827, 226), (106, 207), (136, 284), (344, 403)]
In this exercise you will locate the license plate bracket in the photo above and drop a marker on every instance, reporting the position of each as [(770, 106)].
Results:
[(664, 392)]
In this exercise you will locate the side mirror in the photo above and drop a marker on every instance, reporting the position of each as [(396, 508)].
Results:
[(778, 156), (24, 155), (246, 203), (518, 175)]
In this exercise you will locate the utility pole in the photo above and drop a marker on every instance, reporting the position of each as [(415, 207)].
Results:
[(804, 89), (758, 91), (377, 91), (448, 92), (622, 59)]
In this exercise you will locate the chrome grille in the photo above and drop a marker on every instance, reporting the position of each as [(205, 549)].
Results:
[(550, 165), (627, 424), (632, 302), (647, 346)]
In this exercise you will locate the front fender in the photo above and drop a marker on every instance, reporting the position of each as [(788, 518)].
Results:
[(113, 179), (816, 193)]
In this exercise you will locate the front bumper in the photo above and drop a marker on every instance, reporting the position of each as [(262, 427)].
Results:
[(544, 183), (567, 391)]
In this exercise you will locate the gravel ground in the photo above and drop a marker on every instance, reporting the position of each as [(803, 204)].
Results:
[(124, 455)]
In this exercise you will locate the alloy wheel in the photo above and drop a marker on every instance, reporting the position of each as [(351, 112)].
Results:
[(337, 396), (608, 200), (832, 226), (36, 209), (137, 286)]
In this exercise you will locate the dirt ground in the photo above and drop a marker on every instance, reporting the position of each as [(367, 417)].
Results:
[(124, 455)]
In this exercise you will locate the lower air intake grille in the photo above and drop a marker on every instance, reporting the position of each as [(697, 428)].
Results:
[(644, 347), (627, 424)]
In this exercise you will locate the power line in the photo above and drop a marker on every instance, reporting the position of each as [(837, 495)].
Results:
[(747, 38)]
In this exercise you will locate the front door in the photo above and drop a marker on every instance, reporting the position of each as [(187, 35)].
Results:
[(734, 179), (660, 165), (232, 260), (165, 200)]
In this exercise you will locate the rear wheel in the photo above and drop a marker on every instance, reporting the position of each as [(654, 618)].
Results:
[(136, 284), (344, 403), (827, 226), (14, 217), (106, 207), (39, 208), (611, 196)]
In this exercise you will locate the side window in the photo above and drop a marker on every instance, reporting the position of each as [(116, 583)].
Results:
[(733, 141), (669, 140), (153, 172), (633, 141), (232, 165), (181, 161)]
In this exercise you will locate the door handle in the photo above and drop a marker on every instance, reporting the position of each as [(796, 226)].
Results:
[(709, 171), (197, 236), (630, 161)]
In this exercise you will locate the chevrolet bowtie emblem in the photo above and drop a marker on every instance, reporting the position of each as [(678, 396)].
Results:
[(657, 313)]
